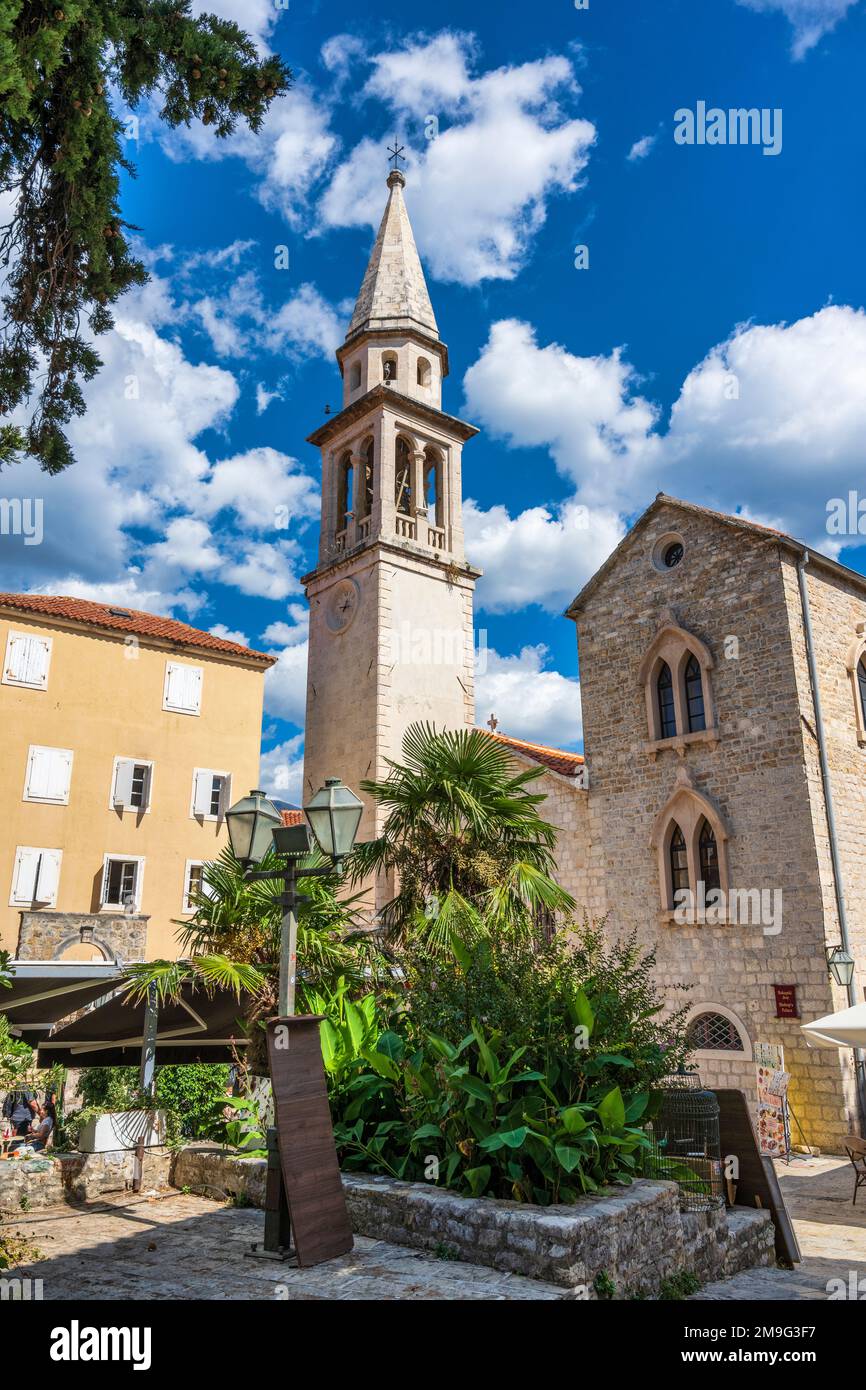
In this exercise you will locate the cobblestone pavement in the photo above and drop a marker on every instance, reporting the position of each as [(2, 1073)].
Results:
[(830, 1230), (183, 1247)]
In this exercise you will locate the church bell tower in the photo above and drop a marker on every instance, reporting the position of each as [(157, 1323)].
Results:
[(391, 635)]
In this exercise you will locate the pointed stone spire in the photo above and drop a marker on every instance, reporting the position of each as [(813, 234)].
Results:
[(394, 292)]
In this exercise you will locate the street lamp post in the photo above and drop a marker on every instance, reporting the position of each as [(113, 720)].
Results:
[(333, 816)]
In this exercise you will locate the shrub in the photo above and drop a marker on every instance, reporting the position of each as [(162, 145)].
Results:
[(509, 1071)]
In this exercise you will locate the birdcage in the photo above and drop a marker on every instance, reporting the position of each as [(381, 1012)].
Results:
[(686, 1146)]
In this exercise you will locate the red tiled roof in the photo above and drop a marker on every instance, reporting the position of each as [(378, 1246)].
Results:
[(120, 619), (566, 764), (292, 817)]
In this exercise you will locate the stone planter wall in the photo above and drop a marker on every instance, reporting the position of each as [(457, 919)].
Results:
[(636, 1236), (31, 1184)]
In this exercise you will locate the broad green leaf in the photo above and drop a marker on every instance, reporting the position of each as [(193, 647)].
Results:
[(581, 1012), (573, 1119), (569, 1157), (392, 1045), (509, 1139), (636, 1106), (381, 1064), (478, 1178), (330, 1040), (611, 1110), (475, 1087)]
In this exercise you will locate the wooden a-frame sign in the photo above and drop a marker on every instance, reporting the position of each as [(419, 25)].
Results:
[(308, 1157)]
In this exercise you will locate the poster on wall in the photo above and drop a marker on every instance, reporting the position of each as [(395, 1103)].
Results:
[(774, 1130)]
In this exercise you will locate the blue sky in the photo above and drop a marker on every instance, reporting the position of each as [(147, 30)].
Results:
[(714, 348)]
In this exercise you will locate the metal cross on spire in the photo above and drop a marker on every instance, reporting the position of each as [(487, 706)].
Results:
[(396, 153), (493, 723)]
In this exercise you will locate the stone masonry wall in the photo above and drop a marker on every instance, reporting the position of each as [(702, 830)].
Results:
[(837, 607), (730, 591), (50, 935)]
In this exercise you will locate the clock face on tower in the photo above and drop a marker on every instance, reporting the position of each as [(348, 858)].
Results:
[(342, 605)]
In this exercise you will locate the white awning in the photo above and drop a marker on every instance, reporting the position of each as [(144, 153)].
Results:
[(845, 1029)]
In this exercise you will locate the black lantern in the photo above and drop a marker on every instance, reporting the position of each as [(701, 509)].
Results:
[(334, 815), (840, 963), (251, 823)]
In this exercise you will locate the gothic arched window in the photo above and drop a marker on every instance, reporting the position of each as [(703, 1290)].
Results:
[(695, 695), (709, 854), (679, 860), (403, 477), (667, 711), (861, 685), (423, 375), (389, 366)]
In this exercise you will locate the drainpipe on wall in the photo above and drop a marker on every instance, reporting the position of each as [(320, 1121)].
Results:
[(831, 819)]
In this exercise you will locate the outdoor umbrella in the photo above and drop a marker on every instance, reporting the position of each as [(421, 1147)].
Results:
[(845, 1029)]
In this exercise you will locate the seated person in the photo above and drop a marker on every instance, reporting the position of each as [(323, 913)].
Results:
[(42, 1134)]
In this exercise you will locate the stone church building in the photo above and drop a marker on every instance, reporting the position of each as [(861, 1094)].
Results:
[(700, 815)]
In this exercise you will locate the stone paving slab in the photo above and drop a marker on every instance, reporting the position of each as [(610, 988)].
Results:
[(831, 1233), (186, 1247)]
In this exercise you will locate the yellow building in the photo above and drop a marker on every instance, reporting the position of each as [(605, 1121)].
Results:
[(123, 737)]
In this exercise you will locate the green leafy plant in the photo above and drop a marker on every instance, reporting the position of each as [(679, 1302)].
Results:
[(679, 1286), (604, 1285)]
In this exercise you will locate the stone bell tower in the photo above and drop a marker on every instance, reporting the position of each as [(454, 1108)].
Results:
[(391, 638)]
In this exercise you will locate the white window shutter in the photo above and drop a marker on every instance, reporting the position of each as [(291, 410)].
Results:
[(37, 661), (226, 794), (24, 876), (38, 772), (192, 688), (27, 659), (106, 871), (201, 799), (48, 876), (148, 778), (59, 773), (123, 783)]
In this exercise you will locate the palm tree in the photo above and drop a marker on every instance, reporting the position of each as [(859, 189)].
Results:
[(232, 941), (463, 838)]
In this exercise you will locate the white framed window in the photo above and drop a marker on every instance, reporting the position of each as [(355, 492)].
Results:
[(122, 877), (49, 775), (182, 693), (131, 784), (193, 882), (27, 660), (35, 877), (211, 794)]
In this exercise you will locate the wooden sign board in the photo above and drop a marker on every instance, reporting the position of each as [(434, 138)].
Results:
[(757, 1183), (308, 1157), (786, 1001)]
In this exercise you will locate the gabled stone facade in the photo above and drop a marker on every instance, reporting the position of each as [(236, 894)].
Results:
[(753, 773)]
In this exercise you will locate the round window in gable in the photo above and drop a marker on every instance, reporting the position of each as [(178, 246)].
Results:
[(668, 552)]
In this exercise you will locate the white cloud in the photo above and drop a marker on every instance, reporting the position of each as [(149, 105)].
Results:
[(264, 570), (511, 146), (289, 634), (229, 634), (281, 771), (264, 397), (811, 19), (543, 555), (585, 410), (776, 415), (289, 153), (641, 148), (265, 489), (286, 685), (529, 701)]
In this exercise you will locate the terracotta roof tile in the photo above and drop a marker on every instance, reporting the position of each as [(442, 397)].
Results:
[(292, 817), (566, 764), (120, 619)]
